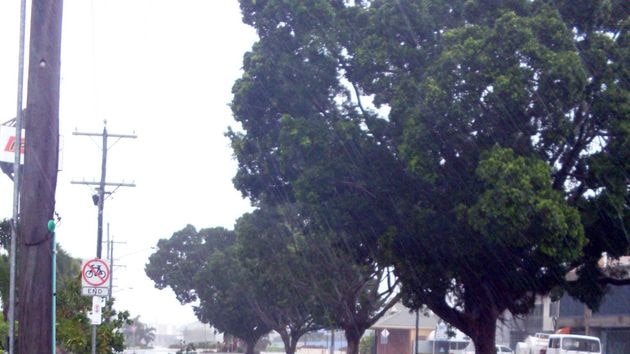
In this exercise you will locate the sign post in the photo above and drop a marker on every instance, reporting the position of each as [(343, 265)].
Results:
[(95, 279)]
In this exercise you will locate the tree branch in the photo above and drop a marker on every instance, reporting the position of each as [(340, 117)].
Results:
[(581, 141), (439, 307), (613, 281)]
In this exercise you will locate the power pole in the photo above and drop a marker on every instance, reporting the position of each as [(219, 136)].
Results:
[(110, 256), (99, 198), (17, 177), (39, 180)]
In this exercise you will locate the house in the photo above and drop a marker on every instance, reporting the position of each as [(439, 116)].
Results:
[(395, 331)]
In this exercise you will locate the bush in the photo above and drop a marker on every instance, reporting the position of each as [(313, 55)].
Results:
[(366, 346)]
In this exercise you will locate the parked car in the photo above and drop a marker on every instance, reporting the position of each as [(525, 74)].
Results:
[(573, 344), (504, 349)]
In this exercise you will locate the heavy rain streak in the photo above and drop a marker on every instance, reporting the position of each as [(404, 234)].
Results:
[(466, 159), (426, 177)]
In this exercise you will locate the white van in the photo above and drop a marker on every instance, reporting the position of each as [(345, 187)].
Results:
[(444, 344), (533, 344), (573, 344)]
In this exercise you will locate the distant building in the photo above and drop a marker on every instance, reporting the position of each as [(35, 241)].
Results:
[(611, 322), (167, 335), (197, 332), (395, 332)]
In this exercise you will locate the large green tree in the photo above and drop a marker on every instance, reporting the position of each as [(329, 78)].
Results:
[(306, 278), (273, 263), (497, 163), (355, 293), (203, 266), (225, 298)]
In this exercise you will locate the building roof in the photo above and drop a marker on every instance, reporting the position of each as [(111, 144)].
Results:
[(401, 317), (616, 268)]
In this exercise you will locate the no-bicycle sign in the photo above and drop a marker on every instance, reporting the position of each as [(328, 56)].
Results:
[(95, 277)]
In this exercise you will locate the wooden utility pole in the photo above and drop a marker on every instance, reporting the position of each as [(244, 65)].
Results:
[(99, 198), (39, 182)]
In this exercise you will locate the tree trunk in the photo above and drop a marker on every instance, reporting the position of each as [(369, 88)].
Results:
[(479, 321), (353, 337), (251, 346), (290, 344), (483, 333), (37, 205), (290, 348)]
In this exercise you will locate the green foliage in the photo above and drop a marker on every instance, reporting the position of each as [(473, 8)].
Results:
[(73, 324), (5, 240), (367, 345), (4, 283), (500, 163), (224, 297), (67, 267), (184, 253), (518, 208), (270, 247), (138, 334), (5, 233), (305, 277), (4, 331), (203, 266)]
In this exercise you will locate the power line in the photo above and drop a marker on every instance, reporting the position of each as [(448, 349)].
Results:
[(99, 198)]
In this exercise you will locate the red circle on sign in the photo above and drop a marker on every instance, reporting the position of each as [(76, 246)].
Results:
[(95, 272)]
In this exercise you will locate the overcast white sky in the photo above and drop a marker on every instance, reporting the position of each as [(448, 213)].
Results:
[(162, 69)]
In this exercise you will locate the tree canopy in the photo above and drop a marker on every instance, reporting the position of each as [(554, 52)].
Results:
[(275, 271), (307, 279), (202, 266), (273, 264), (480, 147)]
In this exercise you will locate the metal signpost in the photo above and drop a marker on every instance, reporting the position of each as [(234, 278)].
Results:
[(95, 278)]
